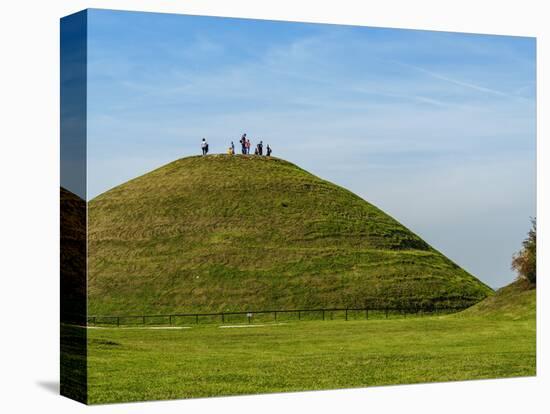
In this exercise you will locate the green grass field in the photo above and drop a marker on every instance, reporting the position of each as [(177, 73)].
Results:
[(132, 364)]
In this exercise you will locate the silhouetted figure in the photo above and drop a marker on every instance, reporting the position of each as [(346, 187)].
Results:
[(247, 146), (260, 148), (204, 146), (232, 147), (268, 150), (243, 144), (256, 151)]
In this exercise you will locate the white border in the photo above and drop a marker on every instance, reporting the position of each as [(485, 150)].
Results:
[(29, 96)]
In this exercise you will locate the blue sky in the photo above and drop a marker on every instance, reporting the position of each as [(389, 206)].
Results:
[(437, 129)]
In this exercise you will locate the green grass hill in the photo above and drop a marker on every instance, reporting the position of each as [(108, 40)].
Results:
[(516, 301), (233, 233)]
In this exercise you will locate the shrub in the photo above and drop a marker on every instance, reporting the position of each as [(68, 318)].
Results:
[(524, 262)]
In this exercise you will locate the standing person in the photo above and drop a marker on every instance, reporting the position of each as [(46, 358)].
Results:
[(243, 144), (260, 148), (268, 150), (256, 152), (232, 147), (247, 146), (204, 146)]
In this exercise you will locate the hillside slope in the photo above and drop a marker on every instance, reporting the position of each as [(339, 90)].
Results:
[(242, 232), (516, 301)]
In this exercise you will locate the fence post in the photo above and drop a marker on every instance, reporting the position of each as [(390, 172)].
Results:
[(323, 314), (299, 315), (346, 314), (170, 320)]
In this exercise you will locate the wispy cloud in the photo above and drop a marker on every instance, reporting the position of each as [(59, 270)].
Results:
[(462, 83)]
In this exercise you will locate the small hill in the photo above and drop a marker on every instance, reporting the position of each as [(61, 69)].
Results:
[(516, 301), (228, 233)]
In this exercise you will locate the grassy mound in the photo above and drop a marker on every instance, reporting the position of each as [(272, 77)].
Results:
[(517, 301), (222, 233)]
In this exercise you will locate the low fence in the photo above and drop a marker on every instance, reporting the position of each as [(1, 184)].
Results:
[(270, 315)]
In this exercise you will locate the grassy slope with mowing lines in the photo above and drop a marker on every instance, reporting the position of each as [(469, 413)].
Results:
[(223, 233), (517, 301)]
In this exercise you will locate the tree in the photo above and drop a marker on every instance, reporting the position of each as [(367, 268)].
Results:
[(524, 262)]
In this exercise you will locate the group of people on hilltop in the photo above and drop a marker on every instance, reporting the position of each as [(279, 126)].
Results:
[(245, 147)]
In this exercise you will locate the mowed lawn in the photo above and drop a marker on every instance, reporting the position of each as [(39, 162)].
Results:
[(132, 364)]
